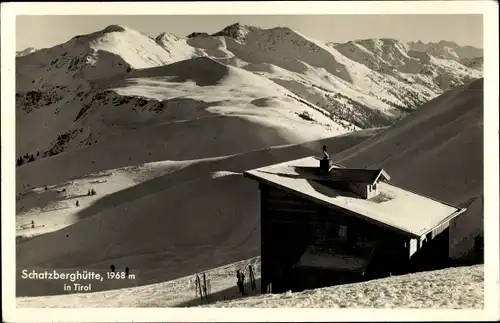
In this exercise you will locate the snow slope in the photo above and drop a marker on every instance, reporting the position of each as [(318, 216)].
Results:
[(176, 293), (166, 219), (158, 114), (453, 288)]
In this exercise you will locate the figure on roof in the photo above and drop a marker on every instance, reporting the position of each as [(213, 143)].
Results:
[(325, 154)]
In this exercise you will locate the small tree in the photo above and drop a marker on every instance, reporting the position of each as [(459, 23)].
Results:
[(31, 158), (77, 203)]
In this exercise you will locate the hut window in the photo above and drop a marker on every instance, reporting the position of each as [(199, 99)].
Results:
[(375, 186), (343, 231)]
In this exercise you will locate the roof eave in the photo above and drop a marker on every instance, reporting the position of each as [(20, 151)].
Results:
[(251, 176), (401, 231), (386, 175), (381, 173), (332, 206), (447, 219)]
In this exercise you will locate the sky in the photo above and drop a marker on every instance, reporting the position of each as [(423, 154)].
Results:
[(47, 31)]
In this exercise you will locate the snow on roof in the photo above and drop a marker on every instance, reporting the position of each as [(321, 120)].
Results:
[(409, 213)]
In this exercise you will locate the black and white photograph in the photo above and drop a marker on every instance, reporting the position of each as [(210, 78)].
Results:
[(166, 156)]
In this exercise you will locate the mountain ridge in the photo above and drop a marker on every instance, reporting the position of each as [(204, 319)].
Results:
[(358, 84)]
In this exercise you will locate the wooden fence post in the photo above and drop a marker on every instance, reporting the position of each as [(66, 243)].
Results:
[(205, 285), (252, 278), (198, 286)]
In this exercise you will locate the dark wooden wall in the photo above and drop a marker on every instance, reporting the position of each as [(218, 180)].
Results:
[(289, 224), (285, 234), (432, 255)]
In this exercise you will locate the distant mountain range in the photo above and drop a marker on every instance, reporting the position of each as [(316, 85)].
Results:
[(343, 86)]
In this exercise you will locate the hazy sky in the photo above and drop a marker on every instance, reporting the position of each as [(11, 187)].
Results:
[(47, 31)]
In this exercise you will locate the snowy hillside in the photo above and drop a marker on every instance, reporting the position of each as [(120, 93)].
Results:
[(454, 288), (167, 219)]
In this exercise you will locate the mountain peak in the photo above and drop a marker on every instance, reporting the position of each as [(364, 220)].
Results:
[(384, 41), (443, 43), (198, 34), (236, 31), (114, 29), (166, 36), (446, 42), (109, 29), (25, 51)]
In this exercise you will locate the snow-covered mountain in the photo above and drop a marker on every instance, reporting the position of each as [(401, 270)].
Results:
[(71, 91), (25, 52), (475, 62), (447, 50), (432, 68)]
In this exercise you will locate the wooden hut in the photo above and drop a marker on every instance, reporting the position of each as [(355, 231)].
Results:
[(323, 224)]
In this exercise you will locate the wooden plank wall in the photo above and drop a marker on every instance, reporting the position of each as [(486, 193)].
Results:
[(289, 224), (432, 255), (285, 234)]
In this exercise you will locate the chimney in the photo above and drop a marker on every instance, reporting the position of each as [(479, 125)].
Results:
[(324, 163)]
